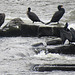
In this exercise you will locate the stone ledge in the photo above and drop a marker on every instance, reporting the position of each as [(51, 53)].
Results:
[(28, 30), (51, 67)]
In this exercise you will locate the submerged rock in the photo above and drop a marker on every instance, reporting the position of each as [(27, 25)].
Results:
[(62, 49), (51, 67), (54, 42)]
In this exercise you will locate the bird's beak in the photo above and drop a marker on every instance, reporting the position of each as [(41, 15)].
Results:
[(62, 6)]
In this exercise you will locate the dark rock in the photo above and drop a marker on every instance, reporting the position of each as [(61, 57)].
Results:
[(56, 31), (13, 32), (16, 27), (29, 30), (2, 18), (37, 47), (16, 22), (54, 42), (2, 33), (45, 31), (49, 31), (51, 67), (12, 28), (61, 49), (64, 49)]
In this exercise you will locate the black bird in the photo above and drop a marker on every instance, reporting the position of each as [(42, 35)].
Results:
[(57, 15), (66, 33), (33, 16), (2, 18), (66, 27)]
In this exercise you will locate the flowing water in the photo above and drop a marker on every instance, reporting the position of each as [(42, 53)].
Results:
[(16, 53)]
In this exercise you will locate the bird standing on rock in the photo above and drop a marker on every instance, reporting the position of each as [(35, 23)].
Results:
[(57, 15), (33, 16)]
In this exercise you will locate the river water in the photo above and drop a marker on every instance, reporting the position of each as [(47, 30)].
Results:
[(16, 53)]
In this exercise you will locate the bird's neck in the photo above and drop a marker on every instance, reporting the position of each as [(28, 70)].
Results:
[(28, 11), (62, 9)]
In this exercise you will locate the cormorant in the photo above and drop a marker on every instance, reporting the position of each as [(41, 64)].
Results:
[(66, 27), (66, 33), (57, 15), (33, 16), (2, 18)]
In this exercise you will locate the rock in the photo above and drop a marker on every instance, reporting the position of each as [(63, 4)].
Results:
[(37, 47), (49, 31), (2, 33), (29, 30), (51, 67), (45, 31), (2, 18), (16, 22), (60, 49), (63, 49), (12, 28), (38, 44), (26, 30), (54, 42), (40, 31), (13, 32)]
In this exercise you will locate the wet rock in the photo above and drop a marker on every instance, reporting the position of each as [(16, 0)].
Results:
[(51, 67), (37, 47), (29, 30), (2, 33), (63, 49), (2, 18), (38, 44), (45, 31), (40, 31), (54, 42), (49, 31), (16, 27), (60, 49), (12, 32), (12, 28), (16, 22)]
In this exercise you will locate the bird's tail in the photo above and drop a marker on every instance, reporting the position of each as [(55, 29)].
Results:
[(42, 22), (47, 23)]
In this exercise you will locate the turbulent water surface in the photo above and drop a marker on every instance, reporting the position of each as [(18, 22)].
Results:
[(16, 53)]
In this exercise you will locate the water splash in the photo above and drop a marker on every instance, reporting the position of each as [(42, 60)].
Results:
[(54, 56)]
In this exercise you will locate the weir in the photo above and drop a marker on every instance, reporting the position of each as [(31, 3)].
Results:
[(16, 27), (51, 67)]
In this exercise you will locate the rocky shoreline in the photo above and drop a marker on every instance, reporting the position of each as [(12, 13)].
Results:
[(16, 27)]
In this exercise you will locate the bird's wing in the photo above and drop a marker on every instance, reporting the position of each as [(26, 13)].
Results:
[(57, 16), (73, 32), (32, 16)]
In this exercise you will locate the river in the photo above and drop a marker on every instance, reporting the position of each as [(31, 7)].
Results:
[(16, 53)]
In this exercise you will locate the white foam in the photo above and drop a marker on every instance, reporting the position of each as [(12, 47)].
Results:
[(72, 25), (54, 56)]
